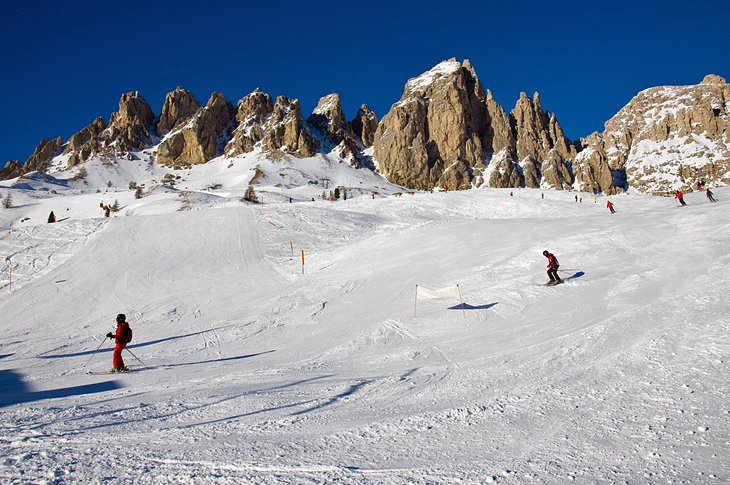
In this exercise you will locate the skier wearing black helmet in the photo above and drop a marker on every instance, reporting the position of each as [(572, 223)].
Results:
[(121, 338), (552, 266)]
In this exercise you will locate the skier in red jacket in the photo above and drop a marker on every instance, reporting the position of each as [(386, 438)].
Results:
[(122, 337), (680, 196), (552, 266), (609, 204)]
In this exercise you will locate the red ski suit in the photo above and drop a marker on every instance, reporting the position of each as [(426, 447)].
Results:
[(120, 337)]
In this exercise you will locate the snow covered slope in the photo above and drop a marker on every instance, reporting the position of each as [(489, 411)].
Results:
[(261, 371)]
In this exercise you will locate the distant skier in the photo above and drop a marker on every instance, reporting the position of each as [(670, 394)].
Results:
[(552, 266), (609, 204), (122, 337), (680, 197), (709, 196), (576, 198)]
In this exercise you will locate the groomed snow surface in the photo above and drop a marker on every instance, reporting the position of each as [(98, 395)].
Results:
[(260, 372)]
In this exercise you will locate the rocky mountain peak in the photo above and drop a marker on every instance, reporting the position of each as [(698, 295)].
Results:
[(364, 125), (180, 105), (286, 130), (446, 129), (85, 143), (43, 154), (130, 127), (437, 126), (251, 115), (202, 138), (666, 138), (329, 118), (713, 79)]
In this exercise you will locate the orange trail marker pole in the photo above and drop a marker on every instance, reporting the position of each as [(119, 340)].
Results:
[(291, 246), (302, 261), (272, 224)]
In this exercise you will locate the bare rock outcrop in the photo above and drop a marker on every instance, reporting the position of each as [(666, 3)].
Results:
[(286, 130), (590, 167), (499, 134), (445, 124), (180, 105), (666, 138), (364, 125), (437, 127), (130, 127), (329, 118), (44, 153), (530, 172), (537, 132), (85, 143), (251, 115), (202, 138), (504, 171), (554, 173), (12, 169)]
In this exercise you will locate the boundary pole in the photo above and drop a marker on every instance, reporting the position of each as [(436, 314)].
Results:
[(415, 303), (458, 288)]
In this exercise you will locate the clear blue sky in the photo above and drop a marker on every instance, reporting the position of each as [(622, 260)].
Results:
[(64, 63)]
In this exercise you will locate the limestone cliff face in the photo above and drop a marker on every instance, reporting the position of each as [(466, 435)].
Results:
[(43, 154), (202, 138), (666, 138), (499, 134), (180, 105), (437, 126), (273, 127), (591, 170), (504, 171), (252, 113), (286, 131), (364, 125), (129, 128), (12, 169), (554, 173), (537, 133), (445, 129), (329, 119), (85, 143)]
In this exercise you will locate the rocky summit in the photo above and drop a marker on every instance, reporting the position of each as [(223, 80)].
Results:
[(667, 138), (446, 131)]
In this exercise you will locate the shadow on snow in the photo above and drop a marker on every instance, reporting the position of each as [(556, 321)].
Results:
[(248, 356), (14, 391), (473, 307)]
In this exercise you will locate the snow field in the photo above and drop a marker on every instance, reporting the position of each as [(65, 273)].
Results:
[(262, 374)]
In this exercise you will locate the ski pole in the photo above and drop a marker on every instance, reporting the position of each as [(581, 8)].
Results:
[(97, 349), (145, 365)]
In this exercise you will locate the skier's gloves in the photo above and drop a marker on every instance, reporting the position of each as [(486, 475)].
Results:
[(109, 335)]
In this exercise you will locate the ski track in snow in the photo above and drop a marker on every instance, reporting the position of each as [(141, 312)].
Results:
[(262, 374)]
